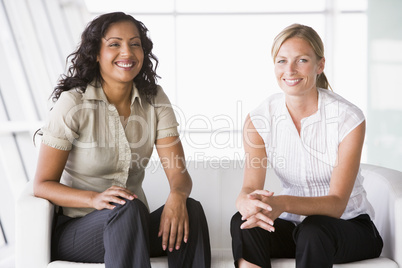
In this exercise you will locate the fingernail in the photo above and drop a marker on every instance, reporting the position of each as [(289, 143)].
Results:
[(170, 249), (177, 247), (185, 240), (131, 197), (164, 247), (122, 202)]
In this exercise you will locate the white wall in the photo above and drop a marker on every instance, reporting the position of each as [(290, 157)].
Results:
[(384, 117)]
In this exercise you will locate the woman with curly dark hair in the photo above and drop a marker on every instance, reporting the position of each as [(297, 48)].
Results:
[(108, 114), (85, 65)]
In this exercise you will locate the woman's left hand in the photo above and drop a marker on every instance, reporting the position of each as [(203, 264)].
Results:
[(174, 224)]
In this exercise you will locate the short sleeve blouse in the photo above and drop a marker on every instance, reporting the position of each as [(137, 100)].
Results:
[(304, 163), (103, 152)]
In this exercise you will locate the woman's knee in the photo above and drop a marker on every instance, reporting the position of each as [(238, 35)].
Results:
[(194, 209), (313, 227), (193, 204), (236, 221), (132, 208)]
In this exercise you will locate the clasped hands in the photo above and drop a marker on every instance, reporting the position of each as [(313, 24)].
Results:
[(259, 210)]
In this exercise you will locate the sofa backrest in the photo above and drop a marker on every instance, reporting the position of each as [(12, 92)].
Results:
[(217, 184)]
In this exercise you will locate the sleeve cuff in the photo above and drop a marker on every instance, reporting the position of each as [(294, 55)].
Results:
[(57, 143), (168, 132)]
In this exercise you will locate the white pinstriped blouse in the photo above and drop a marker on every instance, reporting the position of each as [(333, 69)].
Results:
[(304, 162)]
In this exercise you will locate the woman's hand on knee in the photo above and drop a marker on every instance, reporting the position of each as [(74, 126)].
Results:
[(259, 220), (114, 194), (266, 211), (257, 202), (174, 226)]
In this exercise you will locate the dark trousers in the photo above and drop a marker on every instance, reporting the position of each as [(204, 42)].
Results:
[(127, 236), (319, 241)]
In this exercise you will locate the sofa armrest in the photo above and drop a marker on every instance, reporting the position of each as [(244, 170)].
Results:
[(384, 189), (34, 217)]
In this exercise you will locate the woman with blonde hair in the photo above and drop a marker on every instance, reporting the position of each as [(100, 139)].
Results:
[(322, 216)]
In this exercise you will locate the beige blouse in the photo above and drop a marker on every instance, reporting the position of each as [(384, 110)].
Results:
[(103, 152)]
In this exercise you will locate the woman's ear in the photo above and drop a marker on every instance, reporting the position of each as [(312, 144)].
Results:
[(321, 65)]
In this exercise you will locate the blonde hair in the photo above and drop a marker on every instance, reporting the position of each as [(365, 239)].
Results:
[(308, 34)]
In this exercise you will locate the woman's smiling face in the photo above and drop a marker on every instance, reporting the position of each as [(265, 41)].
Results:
[(297, 67), (121, 55)]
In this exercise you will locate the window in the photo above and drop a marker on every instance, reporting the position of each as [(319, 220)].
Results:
[(215, 58), (36, 36)]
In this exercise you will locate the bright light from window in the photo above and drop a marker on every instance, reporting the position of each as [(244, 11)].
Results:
[(215, 58), (355, 5), (131, 6), (250, 6)]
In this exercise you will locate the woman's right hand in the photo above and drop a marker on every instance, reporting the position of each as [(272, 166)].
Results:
[(114, 194), (254, 207), (51, 163), (253, 203), (261, 213)]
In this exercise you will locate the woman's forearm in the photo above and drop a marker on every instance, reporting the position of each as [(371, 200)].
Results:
[(63, 195), (181, 184), (329, 205)]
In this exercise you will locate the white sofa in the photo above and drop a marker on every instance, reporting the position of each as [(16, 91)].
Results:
[(215, 185)]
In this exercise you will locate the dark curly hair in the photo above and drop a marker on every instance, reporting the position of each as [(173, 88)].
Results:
[(84, 66)]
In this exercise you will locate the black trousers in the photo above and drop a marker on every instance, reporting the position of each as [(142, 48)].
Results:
[(127, 237), (319, 241)]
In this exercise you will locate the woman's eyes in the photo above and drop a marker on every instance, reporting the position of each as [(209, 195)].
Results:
[(300, 60), (132, 45)]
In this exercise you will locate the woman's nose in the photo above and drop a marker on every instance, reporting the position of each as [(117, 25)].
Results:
[(125, 50), (291, 68)]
